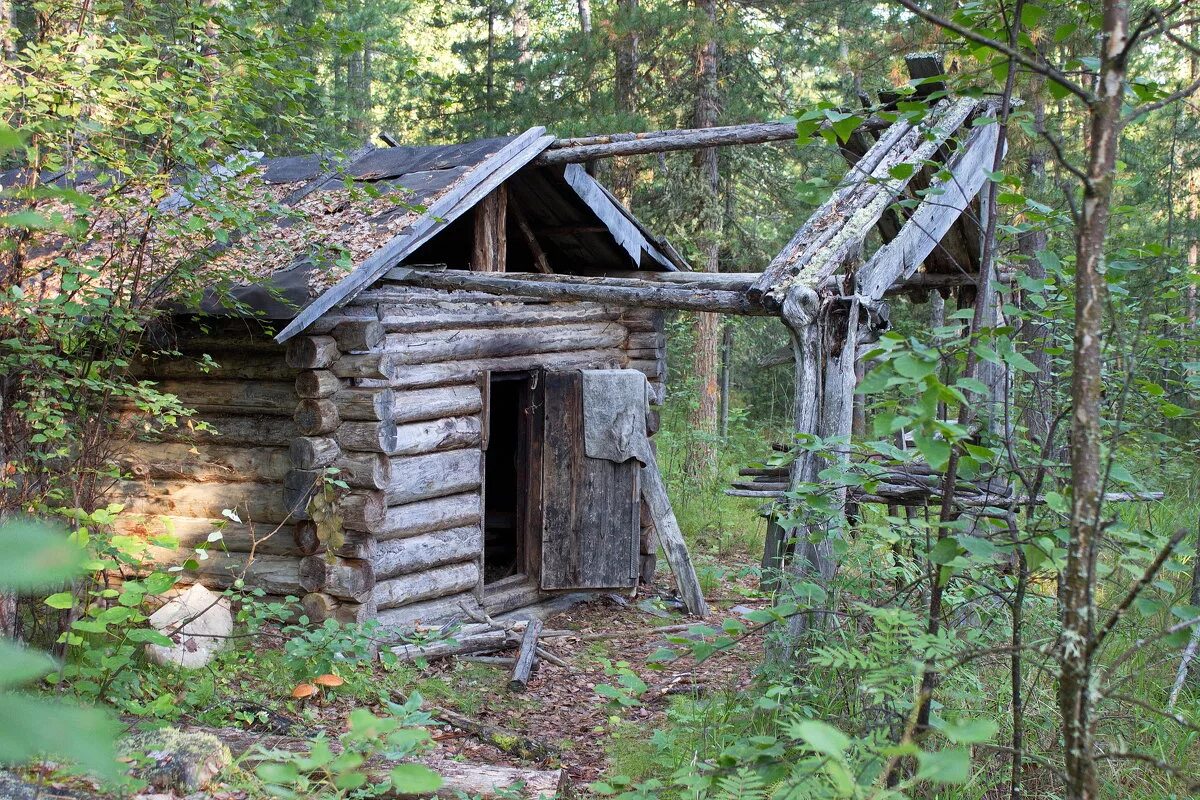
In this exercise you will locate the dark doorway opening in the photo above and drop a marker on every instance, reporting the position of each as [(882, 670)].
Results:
[(506, 479)]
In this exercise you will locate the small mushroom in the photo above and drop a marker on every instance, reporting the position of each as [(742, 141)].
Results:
[(304, 690), (329, 681)]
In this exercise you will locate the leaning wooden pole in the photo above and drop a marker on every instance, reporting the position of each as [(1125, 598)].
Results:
[(654, 492)]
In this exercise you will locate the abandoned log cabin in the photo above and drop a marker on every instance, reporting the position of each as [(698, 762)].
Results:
[(489, 446)]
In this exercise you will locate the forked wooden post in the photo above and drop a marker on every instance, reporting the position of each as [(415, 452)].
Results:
[(654, 492)]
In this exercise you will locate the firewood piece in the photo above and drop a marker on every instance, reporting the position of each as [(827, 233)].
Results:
[(526, 657), (358, 336), (312, 352), (315, 384), (546, 655), (654, 493)]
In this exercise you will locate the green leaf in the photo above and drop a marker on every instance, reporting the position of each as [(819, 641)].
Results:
[(37, 556), (825, 739), (945, 551), (1032, 15), (902, 171), (970, 731), (944, 766), (36, 726), (415, 779), (280, 774), (20, 665), (935, 451), (910, 366), (60, 600)]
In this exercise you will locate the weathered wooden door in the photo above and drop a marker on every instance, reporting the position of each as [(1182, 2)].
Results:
[(591, 506)]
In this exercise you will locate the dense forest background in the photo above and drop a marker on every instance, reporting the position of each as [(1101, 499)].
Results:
[(1048, 651)]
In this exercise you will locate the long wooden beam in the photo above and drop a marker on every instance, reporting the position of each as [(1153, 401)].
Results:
[(590, 148), (615, 291)]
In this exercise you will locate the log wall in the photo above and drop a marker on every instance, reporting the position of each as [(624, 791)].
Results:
[(388, 392)]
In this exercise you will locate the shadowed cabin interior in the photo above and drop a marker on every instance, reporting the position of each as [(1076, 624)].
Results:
[(506, 479)]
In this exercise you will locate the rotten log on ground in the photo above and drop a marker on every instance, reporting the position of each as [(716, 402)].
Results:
[(459, 778)]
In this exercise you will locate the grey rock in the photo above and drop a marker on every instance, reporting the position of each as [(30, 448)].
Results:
[(171, 759)]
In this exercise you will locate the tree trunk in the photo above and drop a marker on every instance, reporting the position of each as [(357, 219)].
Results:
[(520, 35), (585, 15), (625, 92), (704, 415), (1077, 590)]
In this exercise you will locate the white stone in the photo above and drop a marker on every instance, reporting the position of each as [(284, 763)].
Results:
[(198, 621)]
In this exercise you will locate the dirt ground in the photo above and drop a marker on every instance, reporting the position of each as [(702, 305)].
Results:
[(562, 709)]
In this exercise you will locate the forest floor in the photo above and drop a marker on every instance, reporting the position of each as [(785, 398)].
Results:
[(562, 710)]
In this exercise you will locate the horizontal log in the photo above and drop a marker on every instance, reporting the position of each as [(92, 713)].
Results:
[(365, 365), (226, 429), (233, 397), (344, 578), (355, 544), (260, 503), (367, 437), (483, 642), (277, 575), (319, 606), (191, 532), (358, 336), (646, 340), (203, 462), (428, 612), (354, 312), (578, 151), (384, 293), (364, 404), (651, 369), (414, 317), (312, 352), (315, 417), (255, 366), (362, 510), (418, 438), (456, 345), (438, 582), (431, 404), (315, 384), (422, 376), (313, 452), (423, 516), (434, 475), (428, 550), (632, 293), (364, 470)]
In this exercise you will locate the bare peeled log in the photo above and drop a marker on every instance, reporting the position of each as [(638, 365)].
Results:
[(427, 550), (345, 578), (429, 612), (252, 502), (367, 437), (191, 532), (421, 405), (410, 317), (437, 582), (203, 462), (453, 345), (419, 376), (452, 433), (234, 396), (433, 475), (232, 429), (277, 575), (423, 516)]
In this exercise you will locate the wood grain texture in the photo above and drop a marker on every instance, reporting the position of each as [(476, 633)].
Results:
[(440, 513), (425, 551), (443, 581), (590, 506)]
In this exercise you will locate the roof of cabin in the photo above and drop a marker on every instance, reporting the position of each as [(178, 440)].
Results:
[(337, 222)]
